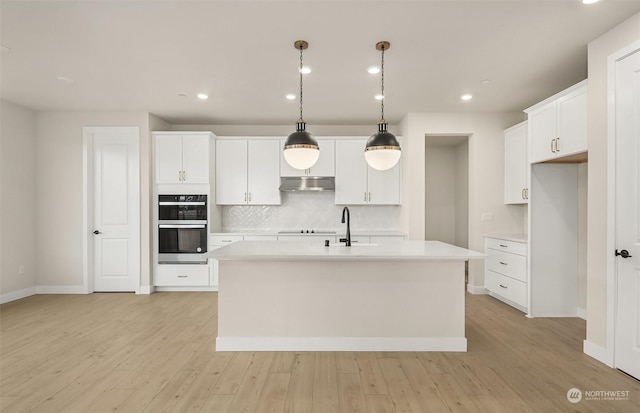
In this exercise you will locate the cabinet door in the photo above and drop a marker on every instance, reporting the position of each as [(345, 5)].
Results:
[(542, 132), (351, 172), (572, 123), (231, 172), (195, 159), (168, 159), (515, 164), (384, 186), (264, 172), (326, 162)]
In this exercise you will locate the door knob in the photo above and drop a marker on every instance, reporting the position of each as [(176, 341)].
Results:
[(97, 232), (623, 254)]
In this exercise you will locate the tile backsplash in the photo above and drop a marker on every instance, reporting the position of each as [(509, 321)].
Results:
[(308, 210)]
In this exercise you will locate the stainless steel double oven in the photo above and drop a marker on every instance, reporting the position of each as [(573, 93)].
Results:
[(182, 229)]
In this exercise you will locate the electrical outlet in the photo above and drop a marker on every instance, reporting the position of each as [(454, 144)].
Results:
[(486, 216), (21, 269)]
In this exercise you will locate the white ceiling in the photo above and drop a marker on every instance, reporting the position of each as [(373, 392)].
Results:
[(140, 55)]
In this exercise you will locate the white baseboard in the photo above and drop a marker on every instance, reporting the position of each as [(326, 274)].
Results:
[(476, 289), (598, 352), (582, 313), (175, 289), (16, 295), (61, 289), (341, 344)]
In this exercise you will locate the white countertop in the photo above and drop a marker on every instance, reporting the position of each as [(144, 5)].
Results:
[(289, 250), (509, 237), (340, 232)]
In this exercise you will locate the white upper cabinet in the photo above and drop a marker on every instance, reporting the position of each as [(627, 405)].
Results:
[(182, 158), (248, 171), (325, 166), (558, 125), (516, 165), (359, 184)]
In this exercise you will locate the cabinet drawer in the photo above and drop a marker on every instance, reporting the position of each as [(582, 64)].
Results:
[(224, 239), (181, 275), (513, 247), (512, 290), (512, 265)]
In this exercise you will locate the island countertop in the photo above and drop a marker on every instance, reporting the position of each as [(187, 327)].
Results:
[(301, 250)]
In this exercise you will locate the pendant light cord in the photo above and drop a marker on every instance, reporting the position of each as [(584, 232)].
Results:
[(301, 47), (382, 87)]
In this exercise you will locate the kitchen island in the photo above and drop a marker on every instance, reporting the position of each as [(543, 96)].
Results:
[(301, 296)]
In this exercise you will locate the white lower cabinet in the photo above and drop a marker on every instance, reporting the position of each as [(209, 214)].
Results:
[(506, 271), (181, 276)]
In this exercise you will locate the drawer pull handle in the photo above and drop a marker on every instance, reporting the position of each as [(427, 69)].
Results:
[(226, 240), (503, 286), (503, 263), (182, 276), (503, 246)]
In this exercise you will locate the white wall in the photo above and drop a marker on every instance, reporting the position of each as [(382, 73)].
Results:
[(284, 130), (486, 180), (440, 193), (17, 201), (59, 147), (597, 251), (462, 195)]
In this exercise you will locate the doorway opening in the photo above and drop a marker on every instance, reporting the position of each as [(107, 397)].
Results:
[(447, 189)]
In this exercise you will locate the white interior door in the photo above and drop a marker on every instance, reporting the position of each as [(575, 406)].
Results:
[(627, 135), (116, 209)]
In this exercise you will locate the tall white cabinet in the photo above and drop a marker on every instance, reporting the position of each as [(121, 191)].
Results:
[(182, 164), (359, 184), (247, 171), (551, 184)]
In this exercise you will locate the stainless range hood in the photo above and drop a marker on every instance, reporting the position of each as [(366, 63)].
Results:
[(307, 184)]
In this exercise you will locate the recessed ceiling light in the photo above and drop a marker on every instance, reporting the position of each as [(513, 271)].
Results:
[(305, 70), (374, 70), (486, 81), (589, 1), (290, 96), (203, 96), (379, 97), (65, 79), (4, 48), (466, 97)]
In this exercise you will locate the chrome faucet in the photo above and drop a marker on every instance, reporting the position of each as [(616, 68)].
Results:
[(347, 240)]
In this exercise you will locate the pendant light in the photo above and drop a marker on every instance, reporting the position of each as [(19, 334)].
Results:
[(383, 150), (301, 150)]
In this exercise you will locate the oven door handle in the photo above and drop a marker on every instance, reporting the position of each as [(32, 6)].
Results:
[(182, 203), (163, 226)]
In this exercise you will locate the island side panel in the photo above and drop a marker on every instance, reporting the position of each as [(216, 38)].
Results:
[(341, 305)]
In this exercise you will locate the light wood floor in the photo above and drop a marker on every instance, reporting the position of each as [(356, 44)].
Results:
[(127, 353)]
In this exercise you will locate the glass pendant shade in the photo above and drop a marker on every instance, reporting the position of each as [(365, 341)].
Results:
[(301, 149), (382, 151)]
